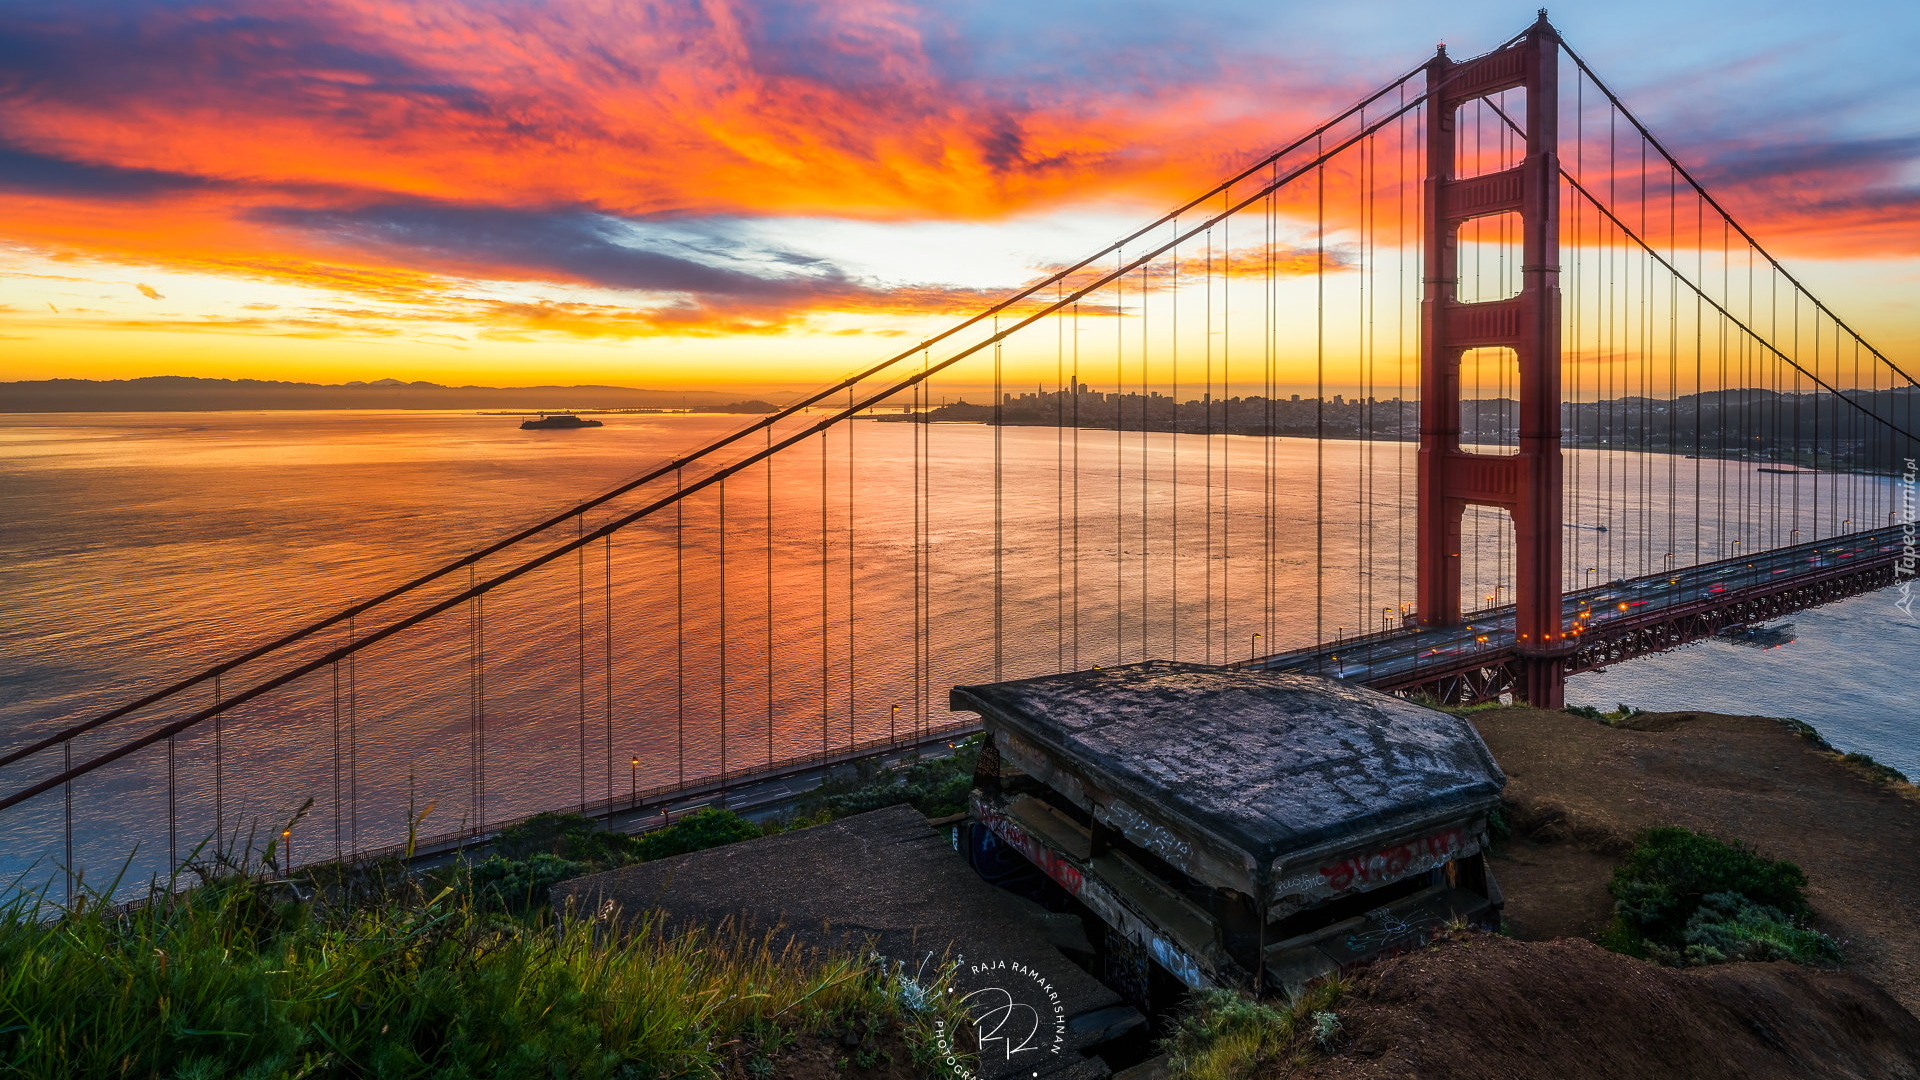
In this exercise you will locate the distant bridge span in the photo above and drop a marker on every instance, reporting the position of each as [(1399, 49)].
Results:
[(1478, 661)]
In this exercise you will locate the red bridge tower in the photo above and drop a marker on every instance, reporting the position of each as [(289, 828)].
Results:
[(1527, 484)]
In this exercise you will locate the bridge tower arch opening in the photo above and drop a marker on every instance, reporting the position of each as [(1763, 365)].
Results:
[(1527, 483)]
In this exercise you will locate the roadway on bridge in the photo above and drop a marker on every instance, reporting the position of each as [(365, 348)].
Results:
[(1392, 657)]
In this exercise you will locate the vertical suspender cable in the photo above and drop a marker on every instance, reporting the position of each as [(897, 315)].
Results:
[(769, 465), (1060, 485), (680, 630), (826, 664), (580, 644), (606, 639), (852, 565), (926, 533), (721, 608), (999, 519), (1226, 427), (173, 817), (1673, 374), (480, 696), (66, 790), (338, 832), (1269, 299), (1699, 373), (353, 744), (1400, 360), (1319, 399), (219, 781), (919, 572), (1207, 407), (1074, 472), (1173, 484), (1363, 614), (473, 706), (1145, 462), (1119, 463)]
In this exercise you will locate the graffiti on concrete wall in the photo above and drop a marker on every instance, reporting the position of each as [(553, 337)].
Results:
[(1380, 867), (1396, 862), (1149, 834), (1050, 862)]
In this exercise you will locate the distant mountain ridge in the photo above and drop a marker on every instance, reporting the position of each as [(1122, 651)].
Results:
[(184, 393)]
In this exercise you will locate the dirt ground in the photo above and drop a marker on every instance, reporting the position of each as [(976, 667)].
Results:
[(885, 1056), (1581, 789), (1481, 1007)]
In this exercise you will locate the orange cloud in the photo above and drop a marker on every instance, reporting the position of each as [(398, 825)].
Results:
[(405, 152)]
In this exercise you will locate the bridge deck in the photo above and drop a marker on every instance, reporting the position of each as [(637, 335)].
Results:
[(1616, 621)]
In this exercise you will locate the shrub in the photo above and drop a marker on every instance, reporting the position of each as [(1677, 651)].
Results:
[(518, 885), (569, 836), (698, 831), (1499, 825), (1729, 926), (1221, 1035), (1875, 770), (935, 787), (1224, 1035), (546, 849), (1662, 910), (1808, 732)]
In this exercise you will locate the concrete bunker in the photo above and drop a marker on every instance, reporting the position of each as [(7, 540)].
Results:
[(1229, 827)]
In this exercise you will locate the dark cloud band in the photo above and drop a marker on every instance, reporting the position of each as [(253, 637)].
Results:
[(572, 245)]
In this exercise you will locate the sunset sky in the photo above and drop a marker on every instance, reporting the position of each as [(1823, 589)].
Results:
[(761, 195)]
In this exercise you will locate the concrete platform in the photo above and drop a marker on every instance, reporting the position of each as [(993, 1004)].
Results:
[(888, 877), (1241, 779)]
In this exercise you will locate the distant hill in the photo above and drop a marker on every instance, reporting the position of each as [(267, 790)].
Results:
[(179, 393)]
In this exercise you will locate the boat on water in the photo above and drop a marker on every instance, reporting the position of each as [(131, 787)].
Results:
[(556, 422), (1577, 525), (1789, 472), (1759, 637)]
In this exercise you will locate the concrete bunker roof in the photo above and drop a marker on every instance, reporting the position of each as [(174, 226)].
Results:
[(1271, 763)]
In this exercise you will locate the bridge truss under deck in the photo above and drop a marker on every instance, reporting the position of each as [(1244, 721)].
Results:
[(1478, 662)]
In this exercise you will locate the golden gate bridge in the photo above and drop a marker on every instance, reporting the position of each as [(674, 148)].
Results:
[(1683, 439)]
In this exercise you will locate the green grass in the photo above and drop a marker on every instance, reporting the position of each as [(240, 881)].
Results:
[(1621, 711), (1864, 765), (1684, 898), (247, 975), (1225, 1035), (535, 855), (936, 787), (373, 971), (529, 858), (1873, 770)]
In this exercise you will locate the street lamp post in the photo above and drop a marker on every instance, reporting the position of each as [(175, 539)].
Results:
[(633, 783), (1252, 649)]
